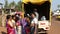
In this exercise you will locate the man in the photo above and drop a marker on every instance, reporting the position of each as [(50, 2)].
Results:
[(35, 11), (34, 24)]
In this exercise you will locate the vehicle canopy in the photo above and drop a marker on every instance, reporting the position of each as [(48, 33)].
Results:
[(35, 1), (42, 6)]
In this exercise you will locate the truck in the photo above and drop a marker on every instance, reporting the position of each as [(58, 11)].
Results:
[(57, 14), (44, 9)]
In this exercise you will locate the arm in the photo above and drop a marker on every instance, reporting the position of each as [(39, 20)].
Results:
[(32, 23), (10, 23), (36, 22), (37, 15)]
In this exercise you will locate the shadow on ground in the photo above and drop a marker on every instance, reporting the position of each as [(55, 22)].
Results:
[(3, 32)]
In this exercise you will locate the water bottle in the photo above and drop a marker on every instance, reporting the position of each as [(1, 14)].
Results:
[(43, 18)]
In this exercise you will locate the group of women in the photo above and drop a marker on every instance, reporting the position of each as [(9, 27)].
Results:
[(16, 24)]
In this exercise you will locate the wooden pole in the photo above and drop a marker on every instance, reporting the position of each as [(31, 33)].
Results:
[(23, 9), (3, 18)]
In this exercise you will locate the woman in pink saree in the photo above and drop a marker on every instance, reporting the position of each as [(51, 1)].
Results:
[(9, 25)]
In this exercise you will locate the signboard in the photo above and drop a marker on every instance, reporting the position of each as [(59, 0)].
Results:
[(43, 24)]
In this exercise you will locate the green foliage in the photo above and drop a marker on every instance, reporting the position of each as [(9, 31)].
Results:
[(12, 4), (19, 6), (58, 6), (6, 4), (1, 4)]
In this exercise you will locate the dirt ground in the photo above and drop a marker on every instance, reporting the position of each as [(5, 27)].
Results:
[(3, 30), (55, 27)]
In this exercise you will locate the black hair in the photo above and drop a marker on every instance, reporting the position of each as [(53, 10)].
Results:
[(8, 16), (28, 17), (33, 13), (17, 14), (16, 18), (13, 16), (25, 15), (35, 10)]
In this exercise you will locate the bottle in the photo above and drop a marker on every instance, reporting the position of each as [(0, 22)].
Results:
[(43, 18)]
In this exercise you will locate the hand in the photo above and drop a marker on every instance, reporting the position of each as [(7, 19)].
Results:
[(35, 32), (16, 24)]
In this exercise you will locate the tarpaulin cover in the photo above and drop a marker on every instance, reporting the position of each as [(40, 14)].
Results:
[(34, 1)]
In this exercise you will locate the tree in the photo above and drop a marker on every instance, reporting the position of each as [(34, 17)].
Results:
[(12, 4), (58, 6), (19, 6), (6, 4), (1, 4)]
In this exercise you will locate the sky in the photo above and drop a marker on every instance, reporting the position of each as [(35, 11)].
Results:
[(9, 1), (54, 3)]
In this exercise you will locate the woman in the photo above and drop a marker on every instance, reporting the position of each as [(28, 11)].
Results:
[(27, 27), (9, 24), (23, 22), (14, 23), (18, 25)]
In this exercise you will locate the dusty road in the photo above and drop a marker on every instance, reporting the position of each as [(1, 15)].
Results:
[(55, 27), (3, 30)]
